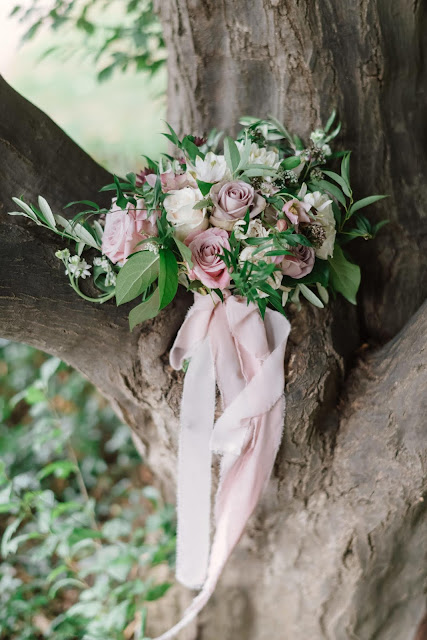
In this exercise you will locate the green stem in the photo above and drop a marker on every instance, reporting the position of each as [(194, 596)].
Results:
[(99, 300)]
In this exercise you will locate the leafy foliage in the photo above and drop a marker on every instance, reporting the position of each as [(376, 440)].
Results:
[(81, 526), (115, 40)]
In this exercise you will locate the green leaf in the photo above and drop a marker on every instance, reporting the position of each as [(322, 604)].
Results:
[(246, 152), (65, 583), (145, 311), (231, 153), (184, 251), (344, 275), (365, 202), (339, 180), (34, 395), (379, 226), (168, 277), (192, 149), (156, 592), (83, 533), (121, 200), (136, 275), (25, 207), (172, 136), (290, 163), (207, 202), (330, 121), (204, 187), (60, 469), (280, 128), (345, 167), (48, 368), (47, 212)]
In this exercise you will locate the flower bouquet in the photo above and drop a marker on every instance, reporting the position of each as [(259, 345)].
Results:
[(249, 229)]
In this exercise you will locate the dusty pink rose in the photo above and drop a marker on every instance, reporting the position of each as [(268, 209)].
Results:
[(300, 263), (125, 228), (296, 211), (171, 181), (231, 202), (207, 265)]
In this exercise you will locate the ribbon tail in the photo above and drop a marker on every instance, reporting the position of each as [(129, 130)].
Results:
[(194, 469)]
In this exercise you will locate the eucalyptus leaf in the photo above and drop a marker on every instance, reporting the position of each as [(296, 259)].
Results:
[(231, 153), (47, 212), (25, 207), (310, 296)]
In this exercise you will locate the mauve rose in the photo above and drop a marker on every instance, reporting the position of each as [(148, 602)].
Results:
[(231, 202), (296, 211), (171, 181), (125, 228), (207, 265), (300, 263)]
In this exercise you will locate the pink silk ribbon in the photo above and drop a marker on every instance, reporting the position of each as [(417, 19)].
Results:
[(227, 343)]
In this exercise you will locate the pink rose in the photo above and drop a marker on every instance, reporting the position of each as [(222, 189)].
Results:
[(171, 181), (208, 267), (300, 263), (231, 202), (125, 228), (296, 211)]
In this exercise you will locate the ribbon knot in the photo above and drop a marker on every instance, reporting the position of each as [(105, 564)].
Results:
[(228, 345)]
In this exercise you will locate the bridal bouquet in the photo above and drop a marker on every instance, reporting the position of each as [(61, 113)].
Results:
[(260, 223)]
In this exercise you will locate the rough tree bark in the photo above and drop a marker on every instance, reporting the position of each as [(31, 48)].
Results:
[(334, 551)]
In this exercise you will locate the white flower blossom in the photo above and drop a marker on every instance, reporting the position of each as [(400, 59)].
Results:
[(77, 267), (152, 246), (255, 229), (105, 264), (326, 149), (63, 255), (261, 155), (324, 216), (317, 136), (212, 169)]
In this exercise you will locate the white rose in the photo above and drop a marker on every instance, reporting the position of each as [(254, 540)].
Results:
[(325, 217), (212, 169), (181, 214)]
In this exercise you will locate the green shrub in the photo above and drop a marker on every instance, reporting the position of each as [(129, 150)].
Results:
[(82, 527)]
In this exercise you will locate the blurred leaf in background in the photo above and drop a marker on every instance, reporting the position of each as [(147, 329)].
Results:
[(118, 35), (82, 528), (115, 121)]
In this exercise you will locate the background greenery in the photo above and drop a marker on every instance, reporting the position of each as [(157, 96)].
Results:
[(65, 46), (82, 526), (83, 531)]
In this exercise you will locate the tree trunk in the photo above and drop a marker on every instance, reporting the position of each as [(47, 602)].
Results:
[(333, 551)]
